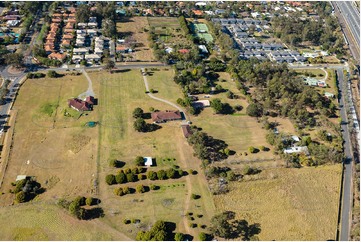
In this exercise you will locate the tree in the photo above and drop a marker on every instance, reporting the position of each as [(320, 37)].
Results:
[(161, 175), (202, 236), (89, 201), (83, 13), (130, 177), (120, 178), (217, 105), (138, 113), (52, 74), (20, 197), (254, 110), (179, 237), (171, 173), (140, 189), (126, 190), (14, 59), (151, 175), (139, 161), (109, 64), (110, 179), (119, 191), (140, 125), (221, 225)]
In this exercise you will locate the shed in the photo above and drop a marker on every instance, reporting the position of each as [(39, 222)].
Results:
[(148, 161), (21, 177)]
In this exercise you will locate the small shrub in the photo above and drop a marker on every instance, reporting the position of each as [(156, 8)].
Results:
[(180, 172), (89, 201), (153, 187), (199, 215), (126, 221), (193, 225), (202, 236), (118, 191), (262, 148), (140, 189), (139, 161), (195, 196), (130, 177), (251, 149), (110, 179), (126, 190), (141, 177), (127, 170), (20, 197)]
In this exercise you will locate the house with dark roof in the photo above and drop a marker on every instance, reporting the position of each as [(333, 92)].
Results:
[(164, 116)]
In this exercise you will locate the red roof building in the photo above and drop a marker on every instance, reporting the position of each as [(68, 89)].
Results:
[(186, 130), (79, 104), (161, 117), (183, 51)]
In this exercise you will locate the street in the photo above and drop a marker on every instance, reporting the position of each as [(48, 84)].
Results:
[(349, 18), (346, 204)]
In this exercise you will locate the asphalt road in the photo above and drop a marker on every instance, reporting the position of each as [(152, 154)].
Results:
[(352, 17), (347, 182)]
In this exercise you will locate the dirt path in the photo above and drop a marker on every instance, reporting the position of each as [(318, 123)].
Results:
[(189, 190), (90, 91)]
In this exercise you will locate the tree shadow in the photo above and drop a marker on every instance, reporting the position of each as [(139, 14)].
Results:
[(94, 213), (245, 230)]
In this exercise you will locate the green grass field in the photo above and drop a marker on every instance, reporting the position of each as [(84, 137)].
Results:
[(162, 81), (289, 204)]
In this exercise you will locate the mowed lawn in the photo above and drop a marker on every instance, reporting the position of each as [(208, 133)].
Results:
[(289, 204), (120, 94), (57, 150), (41, 221), (162, 81)]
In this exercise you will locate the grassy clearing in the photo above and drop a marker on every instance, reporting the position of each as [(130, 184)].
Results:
[(134, 28), (289, 204), (120, 94), (162, 81), (239, 131), (49, 222), (47, 154), (169, 31), (319, 74)]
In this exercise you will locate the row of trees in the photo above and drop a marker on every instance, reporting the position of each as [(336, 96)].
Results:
[(76, 207), (206, 147), (133, 175)]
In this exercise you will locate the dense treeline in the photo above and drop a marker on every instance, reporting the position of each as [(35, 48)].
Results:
[(325, 32), (279, 92)]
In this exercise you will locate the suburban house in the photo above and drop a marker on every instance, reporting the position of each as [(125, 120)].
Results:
[(81, 105), (57, 56), (186, 130), (148, 161), (80, 51), (296, 149), (164, 116), (92, 57)]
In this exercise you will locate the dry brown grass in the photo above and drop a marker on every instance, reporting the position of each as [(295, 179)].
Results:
[(41, 143), (289, 204), (135, 28)]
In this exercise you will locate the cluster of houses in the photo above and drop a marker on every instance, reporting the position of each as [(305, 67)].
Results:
[(59, 36), (250, 47), (12, 18)]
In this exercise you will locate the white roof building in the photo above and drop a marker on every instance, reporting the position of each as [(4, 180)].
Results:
[(296, 149), (148, 161)]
